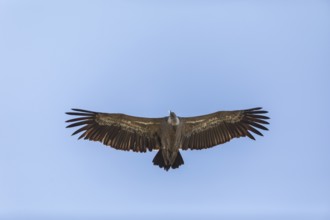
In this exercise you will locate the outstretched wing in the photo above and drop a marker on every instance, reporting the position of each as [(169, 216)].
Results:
[(217, 128), (119, 131)]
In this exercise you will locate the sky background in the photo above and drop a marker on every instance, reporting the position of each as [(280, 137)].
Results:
[(144, 58)]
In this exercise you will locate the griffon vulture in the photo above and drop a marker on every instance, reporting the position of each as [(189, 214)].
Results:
[(169, 134)]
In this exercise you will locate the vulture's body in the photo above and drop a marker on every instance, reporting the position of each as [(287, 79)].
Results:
[(169, 134)]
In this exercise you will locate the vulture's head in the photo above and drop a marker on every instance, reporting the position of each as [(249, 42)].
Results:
[(173, 119)]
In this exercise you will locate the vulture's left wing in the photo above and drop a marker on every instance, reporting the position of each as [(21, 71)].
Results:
[(122, 132), (210, 130)]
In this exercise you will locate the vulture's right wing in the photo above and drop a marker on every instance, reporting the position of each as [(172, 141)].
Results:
[(122, 132)]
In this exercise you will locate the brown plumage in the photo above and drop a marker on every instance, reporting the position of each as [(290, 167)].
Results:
[(167, 134)]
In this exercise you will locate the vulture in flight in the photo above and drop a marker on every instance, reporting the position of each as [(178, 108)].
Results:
[(168, 134)]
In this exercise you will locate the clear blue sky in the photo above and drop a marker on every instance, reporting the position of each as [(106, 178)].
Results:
[(147, 57)]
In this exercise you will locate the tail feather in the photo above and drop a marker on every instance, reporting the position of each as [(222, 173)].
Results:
[(178, 161), (159, 161)]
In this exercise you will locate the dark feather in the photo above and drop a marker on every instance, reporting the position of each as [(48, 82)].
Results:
[(226, 124), (258, 112), (257, 125), (81, 129), (78, 114), (82, 135), (258, 120), (255, 131), (115, 130), (79, 119), (79, 123), (259, 116), (81, 110), (250, 135), (253, 109)]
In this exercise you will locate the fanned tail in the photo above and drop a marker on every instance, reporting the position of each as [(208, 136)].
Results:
[(159, 161)]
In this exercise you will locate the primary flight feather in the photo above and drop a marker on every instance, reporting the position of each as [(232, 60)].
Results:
[(168, 134)]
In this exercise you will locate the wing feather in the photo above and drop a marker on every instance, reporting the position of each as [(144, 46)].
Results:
[(123, 132), (217, 128), (250, 135)]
